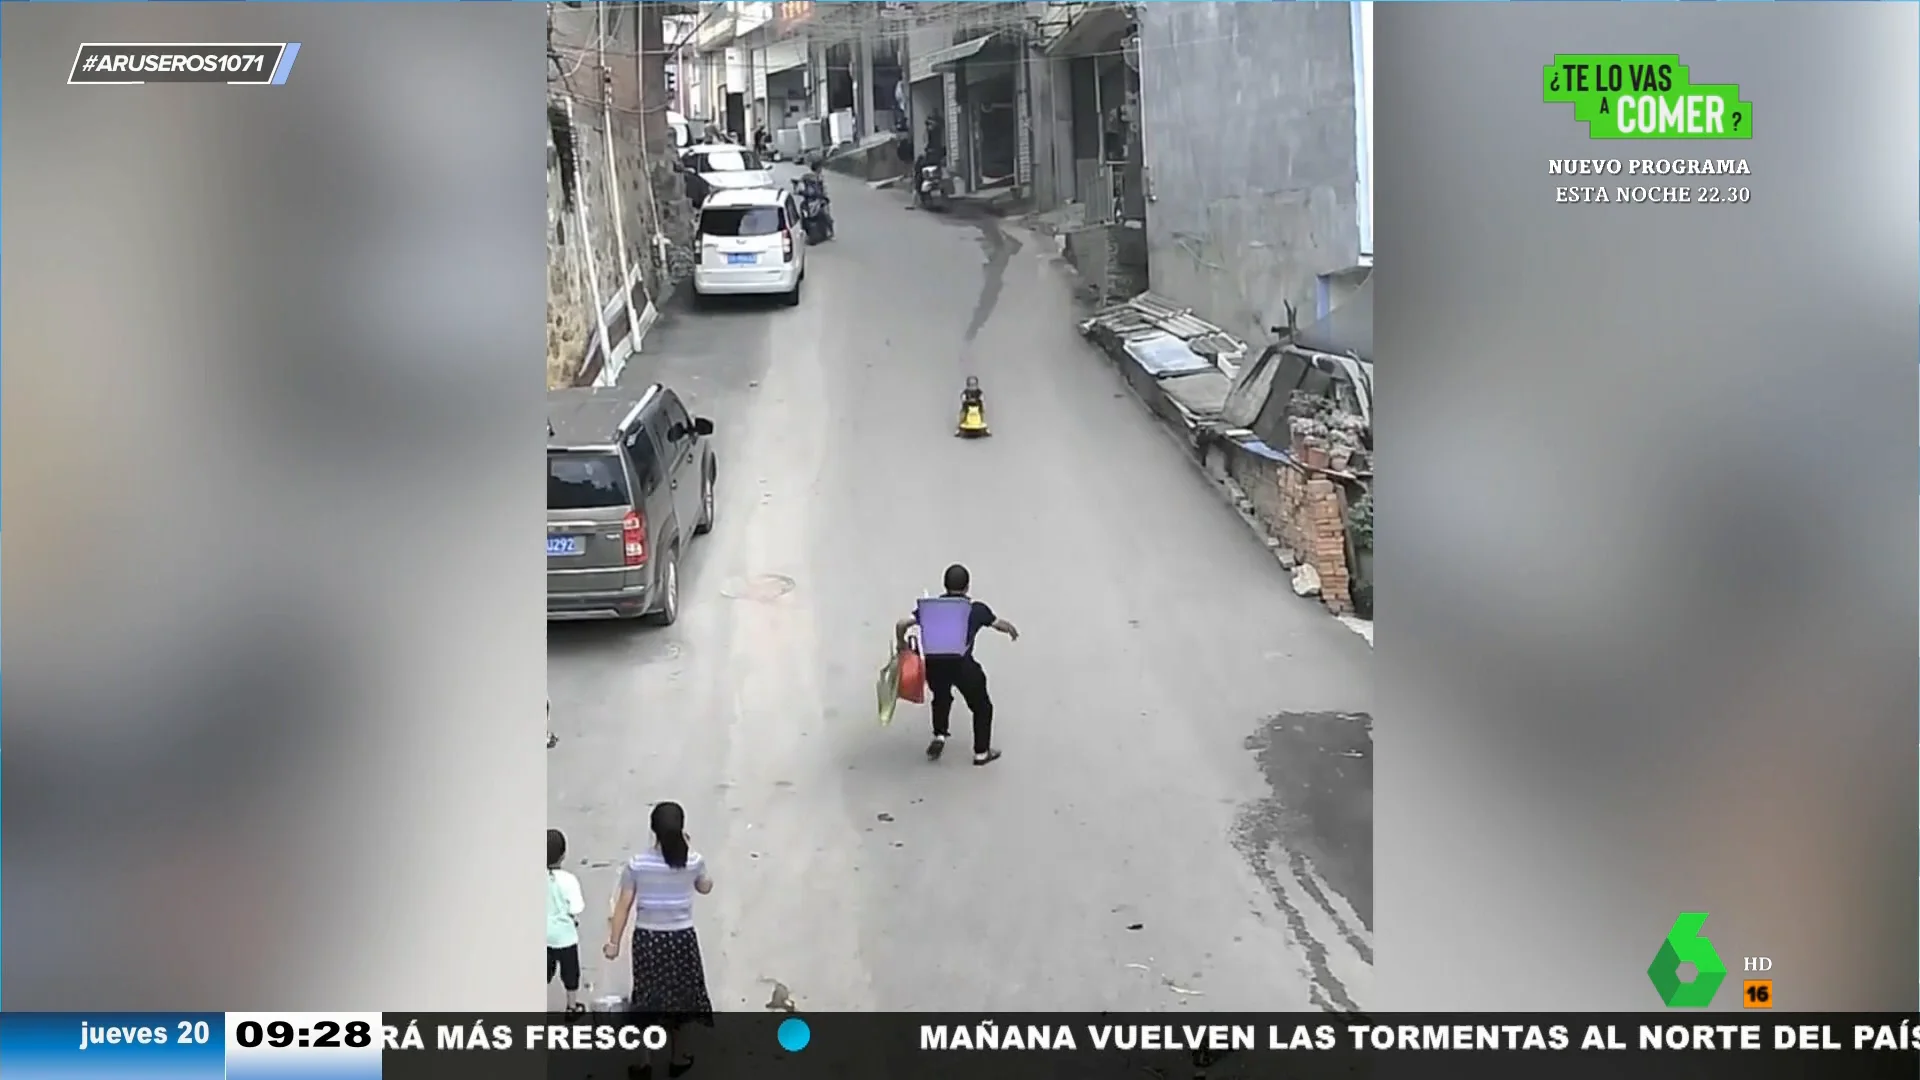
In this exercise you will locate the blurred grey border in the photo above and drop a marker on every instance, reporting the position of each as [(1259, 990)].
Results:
[(273, 379), (1647, 518)]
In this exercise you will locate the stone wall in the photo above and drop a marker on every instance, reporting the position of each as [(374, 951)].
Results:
[(583, 248), (569, 299), (604, 190)]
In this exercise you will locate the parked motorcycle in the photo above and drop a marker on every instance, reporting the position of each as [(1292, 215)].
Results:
[(932, 188)]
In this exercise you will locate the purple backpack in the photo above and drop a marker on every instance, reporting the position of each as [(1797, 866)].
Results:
[(943, 625)]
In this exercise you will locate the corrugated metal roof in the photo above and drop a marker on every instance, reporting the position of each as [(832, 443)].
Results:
[(1202, 394), (1155, 305), (1163, 355), (1149, 316), (953, 54), (1224, 346)]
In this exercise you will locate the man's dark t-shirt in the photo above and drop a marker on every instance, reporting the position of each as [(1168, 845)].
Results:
[(978, 619)]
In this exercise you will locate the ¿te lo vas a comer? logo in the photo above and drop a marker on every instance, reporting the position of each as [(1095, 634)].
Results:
[(1633, 96), (1685, 944)]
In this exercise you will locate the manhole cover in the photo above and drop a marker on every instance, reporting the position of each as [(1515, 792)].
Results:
[(762, 587)]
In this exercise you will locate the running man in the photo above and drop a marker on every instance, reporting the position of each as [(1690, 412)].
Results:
[(948, 626)]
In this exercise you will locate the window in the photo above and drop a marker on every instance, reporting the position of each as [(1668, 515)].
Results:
[(679, 428), (644, 460), (740, 221), (577, 481), (729, 161), (1290, 369), (1317, 382), (1346, 395)]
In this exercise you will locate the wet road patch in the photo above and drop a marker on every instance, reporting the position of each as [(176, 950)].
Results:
[(1310, 841)]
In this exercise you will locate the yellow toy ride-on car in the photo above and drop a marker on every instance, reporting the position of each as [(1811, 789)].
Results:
[(973, 412)]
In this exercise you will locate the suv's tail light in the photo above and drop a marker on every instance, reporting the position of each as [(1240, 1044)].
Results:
[(786, 243), (633, 538)]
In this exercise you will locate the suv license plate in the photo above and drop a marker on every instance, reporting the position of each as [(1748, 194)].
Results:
[(736, 258), (563, 545)]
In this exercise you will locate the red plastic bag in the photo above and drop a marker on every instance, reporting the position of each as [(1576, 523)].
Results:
[(913, 678)]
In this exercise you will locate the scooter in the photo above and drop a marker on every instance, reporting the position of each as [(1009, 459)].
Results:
[(932, 188), (815, 221)]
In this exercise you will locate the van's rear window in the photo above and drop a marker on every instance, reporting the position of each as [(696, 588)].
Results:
[(739, 221), (729, 161), (585, 482)]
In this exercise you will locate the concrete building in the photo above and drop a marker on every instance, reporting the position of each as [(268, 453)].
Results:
[(1085, 87), (780, 66), (1254, 136), (723, 64), (858, 54), (774, 64), (966, 67)]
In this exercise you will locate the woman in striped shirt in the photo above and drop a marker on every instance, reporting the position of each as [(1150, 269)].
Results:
[(656, 893)]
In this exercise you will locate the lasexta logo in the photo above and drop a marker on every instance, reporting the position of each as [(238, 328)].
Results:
[(1685, 944)]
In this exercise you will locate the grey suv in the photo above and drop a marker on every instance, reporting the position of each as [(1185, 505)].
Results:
[(629, 484)]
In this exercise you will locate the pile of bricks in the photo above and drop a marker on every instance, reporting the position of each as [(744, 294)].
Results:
[(1315, 530), (1305, 512)]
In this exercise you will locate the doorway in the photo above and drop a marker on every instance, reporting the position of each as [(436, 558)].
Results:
[(994, 121), (736, 120)]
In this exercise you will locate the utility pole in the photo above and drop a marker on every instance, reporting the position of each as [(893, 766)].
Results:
[(657, 148), (653, 75), (751, 112), (614, 202)]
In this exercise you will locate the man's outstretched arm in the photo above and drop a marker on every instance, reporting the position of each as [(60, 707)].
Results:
[(900, 631), (1007, 628)]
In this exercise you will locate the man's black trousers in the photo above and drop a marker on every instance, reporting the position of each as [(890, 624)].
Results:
[(947, 675)]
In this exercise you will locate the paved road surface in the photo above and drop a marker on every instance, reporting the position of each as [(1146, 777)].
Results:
[(1183, 814)]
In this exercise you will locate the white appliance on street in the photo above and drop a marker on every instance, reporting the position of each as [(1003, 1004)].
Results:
[(840, 127), (810, 136)]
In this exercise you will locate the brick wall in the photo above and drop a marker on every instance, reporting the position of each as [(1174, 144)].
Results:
[(1305, 513), (1317, 511)]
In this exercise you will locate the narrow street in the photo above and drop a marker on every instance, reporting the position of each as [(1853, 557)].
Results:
[(1184, 813)]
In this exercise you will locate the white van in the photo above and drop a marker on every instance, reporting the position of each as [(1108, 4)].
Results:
[(725, 166), (750, 244)]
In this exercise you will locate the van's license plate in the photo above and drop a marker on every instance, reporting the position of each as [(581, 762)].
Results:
[(736, 258), (563, 545)]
